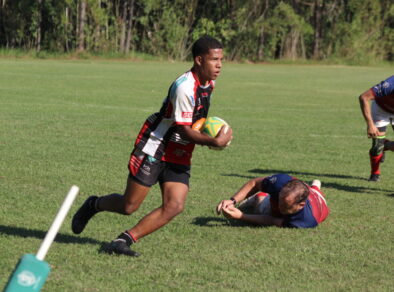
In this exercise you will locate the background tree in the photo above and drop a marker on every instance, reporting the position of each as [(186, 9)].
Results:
[(256, 30)]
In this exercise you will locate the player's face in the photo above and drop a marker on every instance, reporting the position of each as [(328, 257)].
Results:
[(289, 206), (211, 64)]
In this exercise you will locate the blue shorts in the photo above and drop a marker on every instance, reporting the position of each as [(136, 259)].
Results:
[(147, 170)]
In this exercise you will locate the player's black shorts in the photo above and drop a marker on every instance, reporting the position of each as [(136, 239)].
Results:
[(147, 170)]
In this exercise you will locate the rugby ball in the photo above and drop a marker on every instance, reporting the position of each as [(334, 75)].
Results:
[(212, 126)]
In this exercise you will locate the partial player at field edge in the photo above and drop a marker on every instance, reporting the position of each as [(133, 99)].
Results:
[(377, 107)]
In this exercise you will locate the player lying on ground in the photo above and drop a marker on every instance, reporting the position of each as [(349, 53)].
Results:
[(279, 200), (163, 150), (378, 115)]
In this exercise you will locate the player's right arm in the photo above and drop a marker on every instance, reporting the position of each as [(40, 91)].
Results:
[(365, 99), (250, 188)]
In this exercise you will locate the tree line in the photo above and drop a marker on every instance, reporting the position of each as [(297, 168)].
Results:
[(255, 30)]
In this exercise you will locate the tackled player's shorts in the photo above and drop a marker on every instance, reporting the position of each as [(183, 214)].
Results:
[(147, 171), (264, 206), (380, 117)]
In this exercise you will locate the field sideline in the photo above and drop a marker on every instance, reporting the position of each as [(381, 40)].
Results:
[(74, 122)]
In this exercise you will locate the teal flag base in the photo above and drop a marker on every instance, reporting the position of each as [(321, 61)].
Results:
[(29, 275)]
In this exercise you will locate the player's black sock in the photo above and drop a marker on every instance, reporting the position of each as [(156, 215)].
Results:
[(95, 204), (92, 203), (126, 237)]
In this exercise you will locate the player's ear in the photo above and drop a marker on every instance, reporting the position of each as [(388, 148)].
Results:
[(198, 60), (301, 205)]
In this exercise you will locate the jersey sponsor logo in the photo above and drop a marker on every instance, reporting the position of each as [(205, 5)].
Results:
[(273, 179), (386, 84), (179, 152), (378, 89), (187, 115)]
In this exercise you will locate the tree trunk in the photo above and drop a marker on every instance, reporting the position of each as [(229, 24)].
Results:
[(38, 38), (129, 26), (81, 27), (317, 21), (66, 31), (123, 27), (260, 46), (260, 51)]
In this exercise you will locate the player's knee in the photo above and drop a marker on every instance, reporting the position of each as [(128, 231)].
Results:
[(129, 209), (377, 147), (173, 209)]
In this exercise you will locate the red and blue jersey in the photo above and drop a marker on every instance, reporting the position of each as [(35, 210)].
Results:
[(384, 94), (314, 212)]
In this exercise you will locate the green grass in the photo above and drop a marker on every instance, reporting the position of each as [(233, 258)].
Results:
[(74, 122)]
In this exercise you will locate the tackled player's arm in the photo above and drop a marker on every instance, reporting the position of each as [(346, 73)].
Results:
[(258, 219), (197, 137), (264, 220), (250, 188)]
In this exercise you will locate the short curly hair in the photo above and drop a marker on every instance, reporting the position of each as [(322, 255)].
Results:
[(296, 187), (204, 44)]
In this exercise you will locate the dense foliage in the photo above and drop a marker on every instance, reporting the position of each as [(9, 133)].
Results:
[(255, 30)]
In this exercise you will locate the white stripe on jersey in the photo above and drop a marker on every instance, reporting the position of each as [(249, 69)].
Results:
[(156, 137), (176, 137), (320, 196)]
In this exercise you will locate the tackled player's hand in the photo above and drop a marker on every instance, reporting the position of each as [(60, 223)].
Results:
[(232, 213), (223, 204)]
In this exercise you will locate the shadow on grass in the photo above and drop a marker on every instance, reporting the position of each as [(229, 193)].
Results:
[(61, 238), (347, 188), (311, 174), (218, 222)]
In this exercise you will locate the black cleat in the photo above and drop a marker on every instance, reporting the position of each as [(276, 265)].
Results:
[(374, 177), (119, 246), (83, 215)]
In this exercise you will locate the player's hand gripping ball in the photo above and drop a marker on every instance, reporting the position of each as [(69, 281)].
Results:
[(212, 127)]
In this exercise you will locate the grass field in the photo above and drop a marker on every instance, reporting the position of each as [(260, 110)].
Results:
[(74, 122)]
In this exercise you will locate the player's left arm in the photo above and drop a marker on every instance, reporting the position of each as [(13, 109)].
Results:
[(197, 137), (183, 104), (264, 220)]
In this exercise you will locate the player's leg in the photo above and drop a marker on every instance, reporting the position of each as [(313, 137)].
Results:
[(138, 185), (316, 183), (174, 183), (262, 204), (376, 155), (173, 201), (125, 204), (248, 203), (174, 197), (389, 145)]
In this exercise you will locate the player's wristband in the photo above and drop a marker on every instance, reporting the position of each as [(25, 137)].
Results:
[(234, 200)]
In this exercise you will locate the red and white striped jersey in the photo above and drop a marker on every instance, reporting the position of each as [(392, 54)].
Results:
[(187, 101)]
